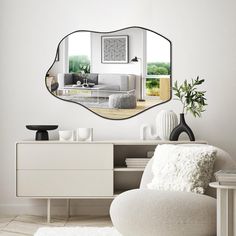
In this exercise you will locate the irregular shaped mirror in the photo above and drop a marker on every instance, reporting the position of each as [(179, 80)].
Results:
[(115, 74)]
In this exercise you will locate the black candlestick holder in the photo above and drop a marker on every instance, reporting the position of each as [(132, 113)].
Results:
[(42, 131)]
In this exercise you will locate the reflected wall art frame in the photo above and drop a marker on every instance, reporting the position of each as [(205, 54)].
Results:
[(110, 95), (115, 49)]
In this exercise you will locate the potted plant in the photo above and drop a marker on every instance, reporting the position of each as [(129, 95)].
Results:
[(193, 101)]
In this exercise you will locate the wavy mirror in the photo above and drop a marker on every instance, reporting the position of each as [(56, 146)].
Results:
[(116, 75)]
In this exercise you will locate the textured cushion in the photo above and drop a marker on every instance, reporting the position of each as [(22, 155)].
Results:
[(93, 78), (68, 79), (223, 162), (122, 101), (182, 168), (122, 80), (162, 213)]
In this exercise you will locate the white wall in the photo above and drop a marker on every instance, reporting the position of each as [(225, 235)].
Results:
[(203, 34), (135, 49), (61, 66)]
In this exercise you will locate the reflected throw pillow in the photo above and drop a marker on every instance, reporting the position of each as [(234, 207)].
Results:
[(182, 167)]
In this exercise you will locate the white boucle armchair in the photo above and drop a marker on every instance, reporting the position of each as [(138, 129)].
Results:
[(145, 212)]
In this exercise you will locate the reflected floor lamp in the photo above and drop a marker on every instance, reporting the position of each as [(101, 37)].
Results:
[(138, 59)]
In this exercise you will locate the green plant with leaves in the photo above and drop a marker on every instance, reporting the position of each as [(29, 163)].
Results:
[(79, 64), (193, 100), (158, 68)]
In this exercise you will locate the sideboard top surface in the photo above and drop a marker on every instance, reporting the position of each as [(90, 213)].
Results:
[(114, 142)]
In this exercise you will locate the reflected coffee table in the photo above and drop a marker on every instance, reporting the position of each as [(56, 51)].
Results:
[(95, 91)]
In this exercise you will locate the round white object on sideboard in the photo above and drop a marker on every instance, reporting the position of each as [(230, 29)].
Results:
[(166, 121), (84, 134), (66, 135)]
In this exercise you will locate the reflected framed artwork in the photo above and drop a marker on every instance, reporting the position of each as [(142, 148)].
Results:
[(115, 49)]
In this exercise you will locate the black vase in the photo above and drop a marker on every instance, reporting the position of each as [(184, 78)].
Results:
[(180, 128)]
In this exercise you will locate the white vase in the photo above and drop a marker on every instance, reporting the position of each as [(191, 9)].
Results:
[(66, 135), (166, 121), (147, 133), (84, 134)]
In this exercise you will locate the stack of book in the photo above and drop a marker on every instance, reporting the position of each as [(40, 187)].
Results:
[(226, 177), (136, 162)]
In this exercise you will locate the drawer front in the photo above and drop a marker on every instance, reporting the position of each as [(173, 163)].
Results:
[(64, 156), (64, 183)]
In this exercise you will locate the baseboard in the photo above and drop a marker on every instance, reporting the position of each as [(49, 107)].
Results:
[(58, 208)]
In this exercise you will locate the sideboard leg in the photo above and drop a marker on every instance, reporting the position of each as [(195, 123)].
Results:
[(49, 211), (234, 211), (68, 207), (224, 212)]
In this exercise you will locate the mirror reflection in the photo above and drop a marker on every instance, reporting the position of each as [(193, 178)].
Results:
[(116, 75)]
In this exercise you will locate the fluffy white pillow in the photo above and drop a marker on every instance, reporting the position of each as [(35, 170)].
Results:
[(182, 167)]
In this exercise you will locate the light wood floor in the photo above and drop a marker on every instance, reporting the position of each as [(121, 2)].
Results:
[(28, 225), (125, 113)]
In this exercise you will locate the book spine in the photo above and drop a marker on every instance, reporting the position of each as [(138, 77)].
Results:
[(227, 183)]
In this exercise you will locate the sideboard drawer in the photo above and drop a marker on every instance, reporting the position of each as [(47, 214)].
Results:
[(64, 156), (64, 183)]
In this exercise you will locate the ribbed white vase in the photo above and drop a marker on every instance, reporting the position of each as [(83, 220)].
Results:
[(166, 121)]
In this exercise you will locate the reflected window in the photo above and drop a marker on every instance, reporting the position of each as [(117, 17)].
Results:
[(79, 52), (157, 63)]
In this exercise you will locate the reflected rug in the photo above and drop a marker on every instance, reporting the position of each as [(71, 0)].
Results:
[(77, 231)]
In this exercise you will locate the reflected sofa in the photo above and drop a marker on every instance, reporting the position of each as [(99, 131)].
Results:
[(106, 83)]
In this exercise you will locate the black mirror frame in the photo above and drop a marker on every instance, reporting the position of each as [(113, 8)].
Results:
[(106, 32)]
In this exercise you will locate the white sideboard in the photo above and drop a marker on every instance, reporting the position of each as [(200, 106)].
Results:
[(64, 170), (67, 170)]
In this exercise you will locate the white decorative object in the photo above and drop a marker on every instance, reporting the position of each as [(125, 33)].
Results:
[(66, 135), (166, 121), (77, 231), (146, 132), (182, 168), (143, 131), (84, 134)]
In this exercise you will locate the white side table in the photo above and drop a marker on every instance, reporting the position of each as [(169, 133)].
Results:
[(226, 209)]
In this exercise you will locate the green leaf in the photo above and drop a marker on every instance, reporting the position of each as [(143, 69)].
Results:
[(193, 99)]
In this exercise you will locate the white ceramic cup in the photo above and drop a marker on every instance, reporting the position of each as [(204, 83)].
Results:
[(84, 134), (66, 135)]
